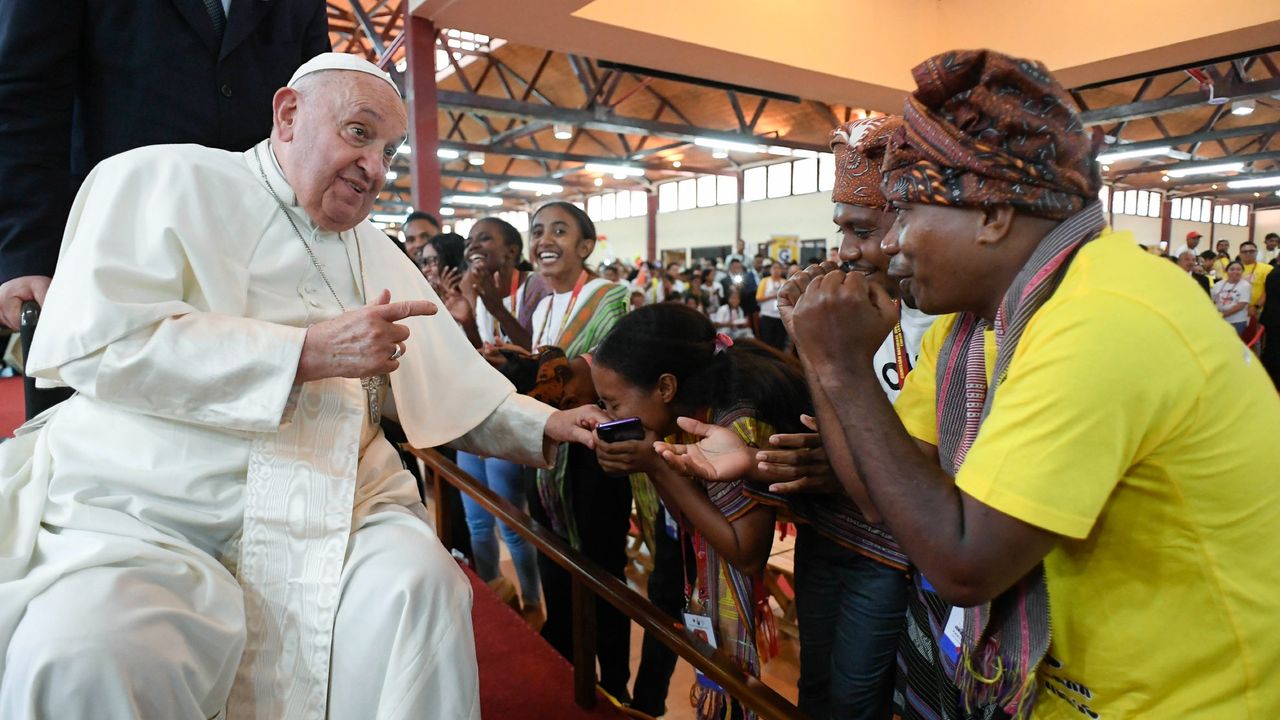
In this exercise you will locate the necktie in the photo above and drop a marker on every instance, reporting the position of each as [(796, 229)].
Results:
[(219, 18)]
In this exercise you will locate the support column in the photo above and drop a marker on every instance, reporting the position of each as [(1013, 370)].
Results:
[(424, 123), (1166, 221), (651, 228), (737, 221)]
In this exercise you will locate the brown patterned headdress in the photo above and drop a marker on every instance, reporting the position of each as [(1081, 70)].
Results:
[(986, 129), (859, 147)]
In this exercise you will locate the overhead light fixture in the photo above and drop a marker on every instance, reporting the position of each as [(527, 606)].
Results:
[(392, 175), (1243, 107), (624, 170), (404, 149), (480, 200), (1164, 178), (729, 145), (1258, 194), (779, 150), (1214, 186), (475, 157), (805, 153), (1107, 158), (1207, 169), (384, 218), (1106, 168), (447, 211), (447, 154), (1255, 182), (535, 186), (675, 164), (563, 131), (720, 154), (599, 182)]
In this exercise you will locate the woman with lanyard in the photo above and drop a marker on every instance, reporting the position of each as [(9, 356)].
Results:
[(575, 498), (493, 256)]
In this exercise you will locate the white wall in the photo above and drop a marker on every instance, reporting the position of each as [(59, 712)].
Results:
[(806, 216), (623, 240), (1266, 221), (1146, 230)]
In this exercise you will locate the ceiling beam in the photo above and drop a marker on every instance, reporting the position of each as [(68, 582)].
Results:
[(533, 154), (502, 178), (1192, 138), (1188, 165), (600, 118), (1224, 179), (1174, 103)]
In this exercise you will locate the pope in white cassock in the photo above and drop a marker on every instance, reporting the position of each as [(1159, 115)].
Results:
[(214, 525)]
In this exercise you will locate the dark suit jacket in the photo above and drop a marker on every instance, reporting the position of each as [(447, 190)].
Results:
[(82, 80)]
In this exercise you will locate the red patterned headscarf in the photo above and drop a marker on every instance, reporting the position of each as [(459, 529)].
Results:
[(986, 129), (859, 147)]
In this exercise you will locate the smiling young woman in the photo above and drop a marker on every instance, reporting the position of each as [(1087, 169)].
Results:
[(575, 498)]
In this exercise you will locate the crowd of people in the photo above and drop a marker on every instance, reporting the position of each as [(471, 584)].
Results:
[(985, 400), (1239, 286)]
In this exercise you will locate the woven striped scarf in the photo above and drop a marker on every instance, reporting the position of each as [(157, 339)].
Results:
[(1004, 640)]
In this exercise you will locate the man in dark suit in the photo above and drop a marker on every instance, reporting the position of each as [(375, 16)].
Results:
[(83, 80)]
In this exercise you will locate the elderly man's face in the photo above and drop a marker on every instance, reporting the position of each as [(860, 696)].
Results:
[(338, 131), (1187, 260)]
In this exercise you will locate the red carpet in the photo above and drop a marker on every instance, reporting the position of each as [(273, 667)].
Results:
[(12, 410), (521, 676)]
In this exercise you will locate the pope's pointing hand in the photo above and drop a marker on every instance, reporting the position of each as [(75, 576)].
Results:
[(359, 343)]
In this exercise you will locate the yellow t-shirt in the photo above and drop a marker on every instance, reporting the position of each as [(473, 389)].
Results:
[(1131, 423), (1257, 275)]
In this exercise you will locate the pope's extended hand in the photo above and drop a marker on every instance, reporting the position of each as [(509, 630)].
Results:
[(359, 343), (718, 456), (841, 318), (575, 425)]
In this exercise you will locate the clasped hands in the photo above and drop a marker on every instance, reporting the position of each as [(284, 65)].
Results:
[(836, 316)]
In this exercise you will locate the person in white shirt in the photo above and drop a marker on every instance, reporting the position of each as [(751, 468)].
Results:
[(731, 319), (1232, 297), (1271, 250), (772, 331), (1192, 243)]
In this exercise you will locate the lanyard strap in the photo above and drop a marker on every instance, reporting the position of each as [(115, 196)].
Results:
[(900, 354), (551, 307)]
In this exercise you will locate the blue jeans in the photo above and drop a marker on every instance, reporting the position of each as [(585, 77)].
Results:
[(506, 479), (851, 611)]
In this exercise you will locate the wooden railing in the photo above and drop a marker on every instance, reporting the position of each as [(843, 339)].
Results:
[(588, 580)]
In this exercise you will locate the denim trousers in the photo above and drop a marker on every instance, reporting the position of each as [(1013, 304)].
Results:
[(851, 611), (506, 479)]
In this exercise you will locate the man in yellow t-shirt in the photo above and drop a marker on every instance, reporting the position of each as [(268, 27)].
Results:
[(1256, 274), (1095, 476)]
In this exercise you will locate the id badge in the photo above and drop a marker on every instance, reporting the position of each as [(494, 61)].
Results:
[(952, 636), (700, 627)]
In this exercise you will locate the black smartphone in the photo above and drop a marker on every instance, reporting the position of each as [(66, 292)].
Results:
[(620, 430)]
